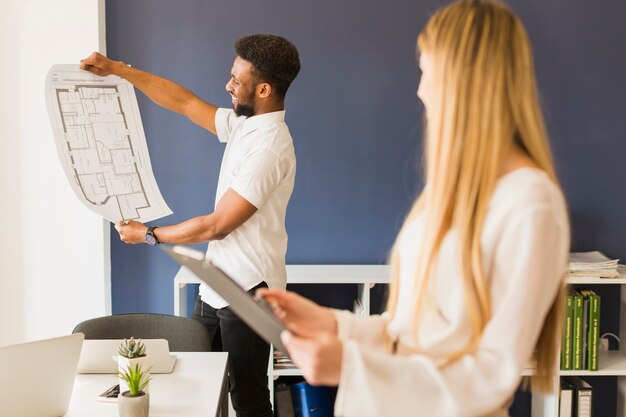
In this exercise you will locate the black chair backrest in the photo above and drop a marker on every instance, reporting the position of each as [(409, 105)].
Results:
[(183, 334)]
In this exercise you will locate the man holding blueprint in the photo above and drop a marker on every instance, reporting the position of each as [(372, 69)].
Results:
[(246, 231)]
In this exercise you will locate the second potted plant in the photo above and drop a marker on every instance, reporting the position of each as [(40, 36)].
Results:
[(130, 353)]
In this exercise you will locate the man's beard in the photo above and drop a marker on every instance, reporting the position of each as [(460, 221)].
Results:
[(247, 110)]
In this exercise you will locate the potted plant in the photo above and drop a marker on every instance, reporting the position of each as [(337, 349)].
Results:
[(134, 402), (130, 353)]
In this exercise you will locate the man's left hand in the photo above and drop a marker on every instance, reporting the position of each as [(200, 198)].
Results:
[(131, 232)]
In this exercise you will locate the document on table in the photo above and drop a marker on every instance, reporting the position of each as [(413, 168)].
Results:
[(101, 144)]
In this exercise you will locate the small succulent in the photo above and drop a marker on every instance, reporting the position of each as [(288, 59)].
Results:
[(132, 348), (136, 378)]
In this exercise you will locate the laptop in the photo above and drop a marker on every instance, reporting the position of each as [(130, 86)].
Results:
[(255, 313), (38, 377), (99, 356)]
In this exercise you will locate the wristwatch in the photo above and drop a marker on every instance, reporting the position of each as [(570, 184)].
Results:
[(150, 238)]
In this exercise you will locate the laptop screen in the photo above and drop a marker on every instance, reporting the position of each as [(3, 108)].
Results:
[(38, 377)]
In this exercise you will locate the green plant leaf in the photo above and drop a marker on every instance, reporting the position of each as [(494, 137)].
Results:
[(132, 348), (136, 378)]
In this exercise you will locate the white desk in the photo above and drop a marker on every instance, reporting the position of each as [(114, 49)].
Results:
[(196, 388)]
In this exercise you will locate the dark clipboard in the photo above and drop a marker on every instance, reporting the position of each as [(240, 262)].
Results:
[(257, 314)]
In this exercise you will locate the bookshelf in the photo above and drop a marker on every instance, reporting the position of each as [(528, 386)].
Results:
[(365, 277), (611, 363)]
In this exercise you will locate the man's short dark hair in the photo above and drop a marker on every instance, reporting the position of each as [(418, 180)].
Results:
[(275, 60)]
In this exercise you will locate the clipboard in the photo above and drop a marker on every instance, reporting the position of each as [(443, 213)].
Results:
[(256, 313)]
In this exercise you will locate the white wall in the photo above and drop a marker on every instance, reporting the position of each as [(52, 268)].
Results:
[(11, 323), (54, 253)]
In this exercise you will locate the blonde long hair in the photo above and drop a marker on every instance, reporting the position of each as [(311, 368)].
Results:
[(486, 103)]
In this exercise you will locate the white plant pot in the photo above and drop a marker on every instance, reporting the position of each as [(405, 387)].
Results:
[(124, 363), (138, 406)]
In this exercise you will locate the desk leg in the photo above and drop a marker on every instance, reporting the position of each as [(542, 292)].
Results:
[(223, 408)]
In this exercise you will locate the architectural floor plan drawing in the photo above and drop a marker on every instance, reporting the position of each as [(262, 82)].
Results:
[(101, 144)]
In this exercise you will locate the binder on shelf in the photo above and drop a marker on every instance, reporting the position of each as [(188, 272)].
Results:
[(566, 341), (589, 334), (582, 397), (593, 334), (282, 361), (577, 327), (585, 329), (566, 399)]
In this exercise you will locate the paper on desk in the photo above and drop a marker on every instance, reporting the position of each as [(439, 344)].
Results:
[(101, 144)]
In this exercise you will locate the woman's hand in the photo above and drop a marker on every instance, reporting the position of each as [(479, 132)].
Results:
[(318, 358), (311, 338), (300, 315)]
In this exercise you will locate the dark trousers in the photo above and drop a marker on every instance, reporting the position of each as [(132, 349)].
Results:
[(247, 357)]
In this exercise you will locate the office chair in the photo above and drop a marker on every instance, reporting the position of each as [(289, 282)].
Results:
[(183, 334)]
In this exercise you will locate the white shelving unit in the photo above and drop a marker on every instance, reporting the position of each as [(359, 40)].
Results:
[(365, 277), (611, 363)]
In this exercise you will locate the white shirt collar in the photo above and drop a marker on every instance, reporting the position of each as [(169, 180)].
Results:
[(253, 123)]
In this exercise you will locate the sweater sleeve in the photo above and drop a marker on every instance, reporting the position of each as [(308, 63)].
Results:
[(367, 330), (530, 260)]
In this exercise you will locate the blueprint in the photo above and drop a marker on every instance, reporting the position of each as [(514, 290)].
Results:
[(101, 144)]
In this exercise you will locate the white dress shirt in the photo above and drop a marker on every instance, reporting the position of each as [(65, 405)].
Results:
[(525, 245), (259, 164)]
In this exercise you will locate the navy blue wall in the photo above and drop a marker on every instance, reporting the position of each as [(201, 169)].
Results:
[(356, 121), (352, 112)]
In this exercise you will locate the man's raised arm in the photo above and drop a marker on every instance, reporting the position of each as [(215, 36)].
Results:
[(163, 92)]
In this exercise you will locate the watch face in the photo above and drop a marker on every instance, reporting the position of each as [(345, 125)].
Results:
[(150, 240)]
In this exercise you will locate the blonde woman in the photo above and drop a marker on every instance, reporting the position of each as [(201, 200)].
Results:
[(479, 262)]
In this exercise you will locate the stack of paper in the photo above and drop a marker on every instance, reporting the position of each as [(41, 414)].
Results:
[(593, 264), (282, 361)]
